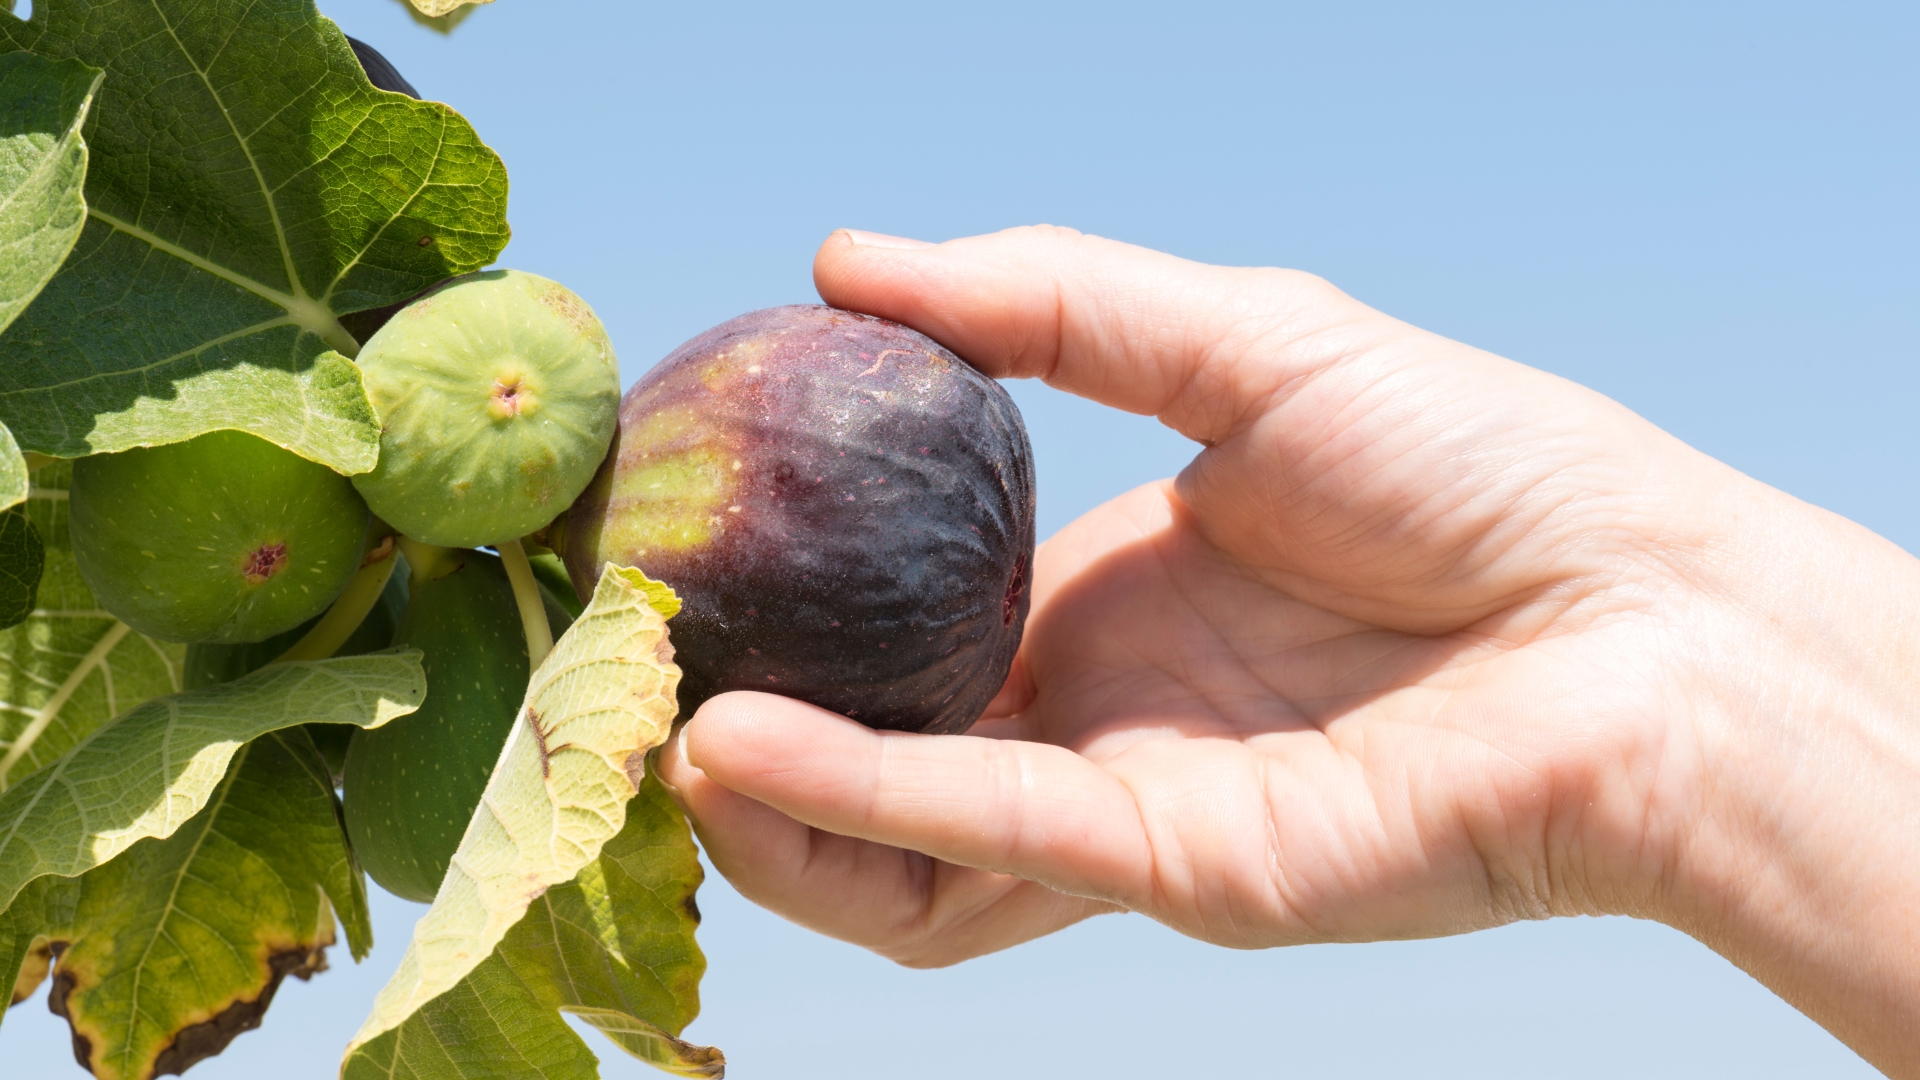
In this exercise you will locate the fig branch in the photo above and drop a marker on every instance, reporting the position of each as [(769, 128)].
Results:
[(526, 593), (350, 609)]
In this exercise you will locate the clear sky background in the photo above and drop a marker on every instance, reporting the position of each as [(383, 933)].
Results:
[(1706, 211)]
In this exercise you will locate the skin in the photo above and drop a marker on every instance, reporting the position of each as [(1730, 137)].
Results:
[(1423, 641)]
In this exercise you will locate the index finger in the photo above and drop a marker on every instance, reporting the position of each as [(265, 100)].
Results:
[(1204, 348)]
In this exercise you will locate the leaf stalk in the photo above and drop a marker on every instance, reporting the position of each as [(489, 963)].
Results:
[(349, 610)]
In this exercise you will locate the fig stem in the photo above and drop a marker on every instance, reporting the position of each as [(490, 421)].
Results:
[(426, 562), (349, 610), (526, 593)]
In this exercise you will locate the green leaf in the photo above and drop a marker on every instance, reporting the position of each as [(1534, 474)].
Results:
[(614, 947), (14, 474), (148, 770), (71, 666), (43, 167), (575, 756), (660, 596), (247, 187), (43, 171), (179, 945), (22, 558)]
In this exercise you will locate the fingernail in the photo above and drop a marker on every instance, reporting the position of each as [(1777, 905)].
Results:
[(661, 774), (680, 743), (882, 240)]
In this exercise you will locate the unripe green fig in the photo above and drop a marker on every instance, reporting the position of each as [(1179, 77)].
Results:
[(210, 663), (411, 786), (225, 537), (497, 395)]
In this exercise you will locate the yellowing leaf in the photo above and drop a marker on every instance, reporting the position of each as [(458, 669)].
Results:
[(614, 947), (434, 9), (149, 770), (660, 596), (651, 1045), (575, 757), (178, 945)]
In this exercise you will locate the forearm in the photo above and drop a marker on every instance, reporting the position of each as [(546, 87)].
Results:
[(1803, 862)]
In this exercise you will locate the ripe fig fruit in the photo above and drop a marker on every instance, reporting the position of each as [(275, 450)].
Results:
[(411, 786), (225, 537), (844, 507), (496, 394)]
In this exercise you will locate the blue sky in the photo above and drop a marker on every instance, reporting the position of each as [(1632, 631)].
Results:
[(1706, 211)]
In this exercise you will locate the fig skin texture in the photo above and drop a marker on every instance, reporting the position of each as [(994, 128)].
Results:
[(845, 508), (410, 787), (497, 394), (225, 537)]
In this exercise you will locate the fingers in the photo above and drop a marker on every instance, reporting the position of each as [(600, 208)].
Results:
[(1204, 348), (901, 904), (1035, 811)]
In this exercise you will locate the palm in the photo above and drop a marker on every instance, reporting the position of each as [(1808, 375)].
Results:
[(1232, 710)]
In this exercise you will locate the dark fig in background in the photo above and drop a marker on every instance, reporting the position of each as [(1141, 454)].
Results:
[(845, 508)]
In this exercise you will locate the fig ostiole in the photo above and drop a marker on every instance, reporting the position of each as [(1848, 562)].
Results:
[(410, 787), (497, 394), (225, 537), (845, 507)]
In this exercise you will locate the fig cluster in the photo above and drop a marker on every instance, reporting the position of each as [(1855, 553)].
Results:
[(496, 395), (844, 507)]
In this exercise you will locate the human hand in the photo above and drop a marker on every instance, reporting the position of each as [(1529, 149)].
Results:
[(1423, 641)]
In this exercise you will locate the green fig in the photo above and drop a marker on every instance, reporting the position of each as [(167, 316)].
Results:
[(410, 787), (225, 537), (210, 663), (496, 394)]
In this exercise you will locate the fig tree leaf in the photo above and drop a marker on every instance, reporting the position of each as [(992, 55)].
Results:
[(247, 186), (615, 947), (22, 558), (435, 9), (43, 168), (179, 945), (26, 954), (660, 596), (443, 24), (14, 474), (148, 770), (43, 171), (575, 756), (70, 666)]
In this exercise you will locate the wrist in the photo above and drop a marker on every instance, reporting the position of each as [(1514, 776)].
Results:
[(1799, 858)]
